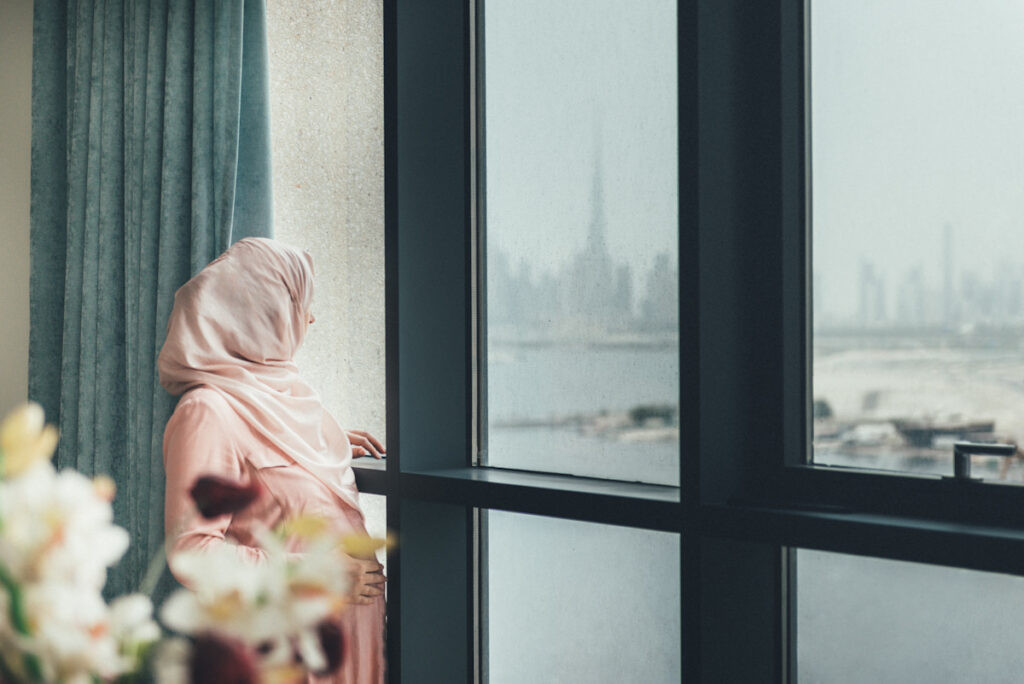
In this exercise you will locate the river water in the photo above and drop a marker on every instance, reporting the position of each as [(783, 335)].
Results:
[(536, 384), (579, 602)]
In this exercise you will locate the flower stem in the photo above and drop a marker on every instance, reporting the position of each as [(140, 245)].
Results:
[(20, 623), (159, 559), (153, 571)]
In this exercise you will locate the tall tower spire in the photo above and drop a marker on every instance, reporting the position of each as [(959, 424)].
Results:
[(598, 224), (948, 297), (593, 271)]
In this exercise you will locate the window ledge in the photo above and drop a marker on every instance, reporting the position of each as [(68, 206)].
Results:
[(370, 474), (975, 547), (565, 496), (368, 463)]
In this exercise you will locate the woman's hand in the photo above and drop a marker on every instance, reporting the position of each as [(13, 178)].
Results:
[(364, 444), (367, 581)]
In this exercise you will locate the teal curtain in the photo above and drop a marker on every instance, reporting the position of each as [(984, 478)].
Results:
[(150, 155)]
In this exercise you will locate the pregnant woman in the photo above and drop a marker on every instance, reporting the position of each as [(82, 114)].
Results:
[(245, 413)]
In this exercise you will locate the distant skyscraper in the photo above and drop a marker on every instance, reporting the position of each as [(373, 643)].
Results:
[(660, 309), (623, 299), (910, 299), (949, 307), (871, 295), (591, 284), (591, 296)]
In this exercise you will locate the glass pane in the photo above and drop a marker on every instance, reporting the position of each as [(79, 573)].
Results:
[(881, 621), (580, 602), (916, 149), (581, 237)]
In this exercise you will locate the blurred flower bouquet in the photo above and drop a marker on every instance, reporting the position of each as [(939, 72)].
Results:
[(272, 621), (240, 621), (57, 540)]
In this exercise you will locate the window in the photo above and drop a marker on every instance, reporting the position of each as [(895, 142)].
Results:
[(580, 223), (579, 368), (865, 619), (915, 171), (749, 493), (462, 525), (914, 320), (879, 391), (573, 601)]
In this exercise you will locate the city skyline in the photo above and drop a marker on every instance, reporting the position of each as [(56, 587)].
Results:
[(915, 144), (590, 295), (908, 297)]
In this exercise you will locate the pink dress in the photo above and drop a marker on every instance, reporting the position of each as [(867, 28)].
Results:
[(206, 436)]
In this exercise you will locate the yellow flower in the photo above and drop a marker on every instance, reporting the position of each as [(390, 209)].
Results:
[(306, 527), (311, 528), (361, 545), (25, 440), (315, 527)]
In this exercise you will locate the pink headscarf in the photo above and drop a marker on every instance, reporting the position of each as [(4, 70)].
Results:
[(235, 327)]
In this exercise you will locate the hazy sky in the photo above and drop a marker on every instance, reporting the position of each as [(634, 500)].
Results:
[(917, 121), (564, 78)]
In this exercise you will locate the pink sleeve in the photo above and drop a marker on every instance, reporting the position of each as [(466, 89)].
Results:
[(197, 442)]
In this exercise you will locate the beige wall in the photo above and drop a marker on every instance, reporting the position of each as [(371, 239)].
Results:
[(328, 146), (15, 130), (328, 149)]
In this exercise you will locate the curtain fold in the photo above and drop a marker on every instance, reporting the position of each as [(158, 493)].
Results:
[(150, 155)]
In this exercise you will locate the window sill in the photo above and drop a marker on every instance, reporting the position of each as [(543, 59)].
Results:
[(564, 496), (975, 547), (370, 475)]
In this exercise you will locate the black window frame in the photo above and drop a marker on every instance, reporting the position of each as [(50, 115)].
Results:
[(747, 496)]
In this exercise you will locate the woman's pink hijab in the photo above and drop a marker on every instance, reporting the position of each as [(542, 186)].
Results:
[(235, 328)]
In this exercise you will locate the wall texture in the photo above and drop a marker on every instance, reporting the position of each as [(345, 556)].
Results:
[(326, 85), (15, 135)]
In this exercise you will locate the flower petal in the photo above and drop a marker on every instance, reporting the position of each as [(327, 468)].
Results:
[(313, 657), (332, 643), (217, 659), (215, 496), (361, 545), (24, 440), (21, 426)]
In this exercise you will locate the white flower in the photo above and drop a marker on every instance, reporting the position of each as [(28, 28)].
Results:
[(131, 619), (57, 527), (71, 632), (57, 539), (228, 594), (276, 598), (75, 634), (133, 629), (171, 662)]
